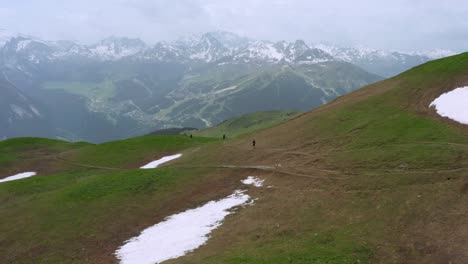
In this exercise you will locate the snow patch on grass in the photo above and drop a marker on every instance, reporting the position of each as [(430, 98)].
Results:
[(453, 105), (251, 180), (179, 234), (156, 163), (18, 176)]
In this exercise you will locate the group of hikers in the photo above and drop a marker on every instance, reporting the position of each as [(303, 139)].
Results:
[(224, 138)]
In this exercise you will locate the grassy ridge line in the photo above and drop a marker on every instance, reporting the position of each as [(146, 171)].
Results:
[(32, 154), (43, 155), (134, 151), (245, 124)]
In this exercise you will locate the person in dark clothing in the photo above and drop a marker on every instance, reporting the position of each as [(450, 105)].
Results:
[(191, 136), (224, 137), (253, 143)]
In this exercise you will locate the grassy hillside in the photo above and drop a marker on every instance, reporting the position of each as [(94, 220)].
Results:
[(372, 177), (245, 124), (65, 207)]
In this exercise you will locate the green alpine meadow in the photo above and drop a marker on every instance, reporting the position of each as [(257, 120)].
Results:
[(355, 181), (224, 132)]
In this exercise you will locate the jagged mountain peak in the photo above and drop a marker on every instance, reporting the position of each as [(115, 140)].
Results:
[(5, 36), (20, 51), (162, 51), (208, 49), (435, 53), (313, 56), (260, 51), (295, 50), (300, 44), (118, 47), (382, 62), (21, 43), (208, 40)]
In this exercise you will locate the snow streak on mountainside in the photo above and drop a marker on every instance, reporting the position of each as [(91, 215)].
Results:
[(19, 113)]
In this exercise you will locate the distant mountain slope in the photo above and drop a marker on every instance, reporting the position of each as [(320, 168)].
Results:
[(122, 87), (211, 95), (20, 115), (381, 62)]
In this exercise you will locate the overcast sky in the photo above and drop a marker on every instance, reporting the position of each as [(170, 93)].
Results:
[(397, 24)]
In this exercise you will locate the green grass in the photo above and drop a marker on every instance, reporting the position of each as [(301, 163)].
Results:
[(134, 150), (384, 139), (377, 135), (49, 218), (92, 90), (386, 131), (323, 248), (14, 151), (63, 218), (245, 124), (21, 144), (129, 153)]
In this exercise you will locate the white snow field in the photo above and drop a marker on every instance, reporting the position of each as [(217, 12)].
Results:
[(156, 163), (18, 176), (251, 180), (178, 234), (453, 105)]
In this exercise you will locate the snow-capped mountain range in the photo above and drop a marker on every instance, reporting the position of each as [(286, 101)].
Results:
[(383, 62), (26, 54), (435, 53), (351, 53), (221, 47), (122, 87)]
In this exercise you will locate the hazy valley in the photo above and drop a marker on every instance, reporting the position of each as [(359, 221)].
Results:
[(123, 87)]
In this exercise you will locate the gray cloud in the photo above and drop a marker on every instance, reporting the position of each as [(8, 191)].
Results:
[(398, 24)]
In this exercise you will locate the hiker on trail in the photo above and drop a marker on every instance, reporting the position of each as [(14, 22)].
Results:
[(224, 137), (253, 143)]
